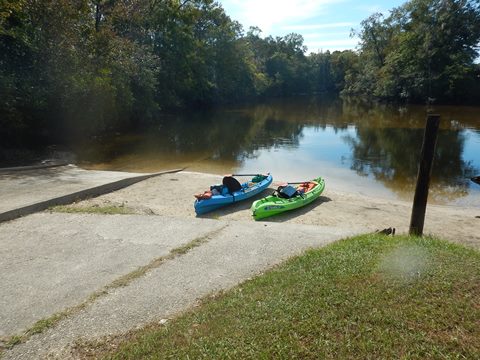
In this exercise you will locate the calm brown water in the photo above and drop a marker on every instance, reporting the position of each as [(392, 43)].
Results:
[(369, 149)]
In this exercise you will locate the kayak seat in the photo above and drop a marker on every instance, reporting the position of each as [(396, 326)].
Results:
[(286, 192), (231, 184)]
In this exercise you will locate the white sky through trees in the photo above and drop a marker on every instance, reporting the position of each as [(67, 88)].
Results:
[(324, 24)]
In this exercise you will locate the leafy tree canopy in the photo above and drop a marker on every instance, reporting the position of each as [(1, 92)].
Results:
[(84, 66)]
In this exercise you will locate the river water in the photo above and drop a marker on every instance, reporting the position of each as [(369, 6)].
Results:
[(370, 149)]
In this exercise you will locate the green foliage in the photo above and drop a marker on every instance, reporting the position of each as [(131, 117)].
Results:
[(87, 66), (424, 51), (64, 70)]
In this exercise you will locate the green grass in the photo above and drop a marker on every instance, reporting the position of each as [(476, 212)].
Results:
[(365, 297), (94, 209)]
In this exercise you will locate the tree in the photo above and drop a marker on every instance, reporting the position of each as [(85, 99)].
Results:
[(424, 50)]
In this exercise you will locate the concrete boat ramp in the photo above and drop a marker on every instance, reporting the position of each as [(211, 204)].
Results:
[(27, 190), (89, 276)]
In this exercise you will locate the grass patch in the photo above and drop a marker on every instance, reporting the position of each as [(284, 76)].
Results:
[(94, 209), (178, 251), (364, 297), (189, 246)]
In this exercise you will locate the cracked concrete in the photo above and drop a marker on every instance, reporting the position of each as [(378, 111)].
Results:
[(54, 261), (234, 252)]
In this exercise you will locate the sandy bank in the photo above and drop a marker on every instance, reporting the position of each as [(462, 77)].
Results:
[(172, 194)]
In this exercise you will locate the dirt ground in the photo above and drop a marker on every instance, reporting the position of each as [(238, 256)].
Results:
[(172, 194)]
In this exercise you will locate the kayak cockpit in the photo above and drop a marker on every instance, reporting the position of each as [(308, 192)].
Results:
[(230, 191)]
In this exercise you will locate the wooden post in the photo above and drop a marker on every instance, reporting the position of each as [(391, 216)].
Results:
[(423, 179)]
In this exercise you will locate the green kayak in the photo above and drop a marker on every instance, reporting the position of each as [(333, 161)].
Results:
[(279, 203)]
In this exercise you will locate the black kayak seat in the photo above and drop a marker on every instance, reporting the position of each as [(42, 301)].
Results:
[(231, 184), (286, 192)]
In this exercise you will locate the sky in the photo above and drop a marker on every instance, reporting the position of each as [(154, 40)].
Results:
[(324, 24)]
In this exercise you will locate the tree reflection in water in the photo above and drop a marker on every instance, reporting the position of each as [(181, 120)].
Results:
[(387, 146), (383, 141), (392, 157)]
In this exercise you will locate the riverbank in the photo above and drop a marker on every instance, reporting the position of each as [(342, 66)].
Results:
[(172, 195), (69, 277)]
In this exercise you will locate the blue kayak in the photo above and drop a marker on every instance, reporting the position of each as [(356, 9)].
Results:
[(229, 192)]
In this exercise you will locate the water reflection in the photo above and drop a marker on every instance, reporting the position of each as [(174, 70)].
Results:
[(364, 146), (391, 155)]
